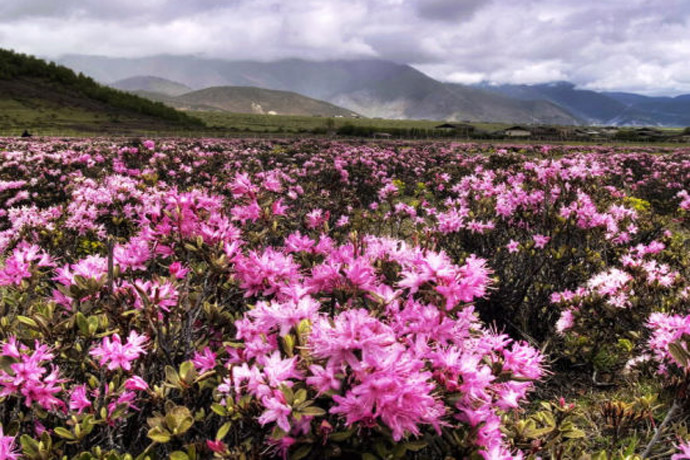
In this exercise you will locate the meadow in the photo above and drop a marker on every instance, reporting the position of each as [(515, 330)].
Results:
[(310, 299)]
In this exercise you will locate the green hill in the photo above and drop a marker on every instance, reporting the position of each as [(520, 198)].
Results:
[(244, 99), (45, 97)]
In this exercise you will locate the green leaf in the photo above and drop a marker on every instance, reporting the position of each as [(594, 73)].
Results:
[(538, 432), (677, 351), (574, 433), (415, 446), (300, 453), (178, 455), (223, 430), (178, 420), (288, 343), (159, 435), (93, 324), (341, 435), (28, 321), (313, 410), (29, 445), (186, 368), (64, 433), (171, 376), (219, 409), (300, 396), (304, 327), (82, 323)]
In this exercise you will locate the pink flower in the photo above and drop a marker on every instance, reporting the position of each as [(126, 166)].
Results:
[(78, 399), (19, 264), (342, 221), (684, 453), (132, 255), (161, 294), (565, 322), (242, 186), (276, 411), (513, 246), (28, 378), (91, 267), (278, 208), (216, 446), (523, 361), (44, 391), (610, 282), (126, 399), (540, 240), (177, 270), (116, 355), (317, 218), (323, 379), (204, 361), (8, 451), (136, 383)]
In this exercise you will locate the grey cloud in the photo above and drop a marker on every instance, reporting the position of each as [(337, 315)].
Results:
[(405, 48), (641, 44), (448, 10), (106, 10)]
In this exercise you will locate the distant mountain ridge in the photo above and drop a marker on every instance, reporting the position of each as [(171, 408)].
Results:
[(245, 99), (152, 84), (604, 108), (372, 88), (376, 88)]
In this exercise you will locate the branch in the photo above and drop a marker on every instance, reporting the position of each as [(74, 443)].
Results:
[(660, 428)]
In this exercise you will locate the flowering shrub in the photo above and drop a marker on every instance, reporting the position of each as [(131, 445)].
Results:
[(312, 299)]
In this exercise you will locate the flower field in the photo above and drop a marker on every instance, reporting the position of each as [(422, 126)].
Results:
[(192, 299)]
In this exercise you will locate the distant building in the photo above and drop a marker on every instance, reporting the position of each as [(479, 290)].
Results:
[(545, 132), (649, 133), (517, 131), (463, 129)]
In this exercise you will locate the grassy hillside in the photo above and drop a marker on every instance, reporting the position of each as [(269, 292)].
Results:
[(244, 99), (40, 96), (292, 123)]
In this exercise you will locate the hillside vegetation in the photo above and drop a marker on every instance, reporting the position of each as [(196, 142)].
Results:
[(35, 94)]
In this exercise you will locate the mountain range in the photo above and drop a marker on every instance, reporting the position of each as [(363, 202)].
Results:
[(376, 88), (604, 108), (237, 99)]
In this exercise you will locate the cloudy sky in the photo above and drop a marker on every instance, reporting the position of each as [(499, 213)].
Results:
[(631, 45)]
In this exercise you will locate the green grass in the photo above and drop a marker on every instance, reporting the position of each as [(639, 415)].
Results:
[(47, 118), (295, 123)]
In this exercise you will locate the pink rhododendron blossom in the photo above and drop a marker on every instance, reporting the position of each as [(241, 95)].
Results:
[(118, 355), (204, 361), (78, 399), (136, 383), (540, 241), (8, 449), (684, 451)]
